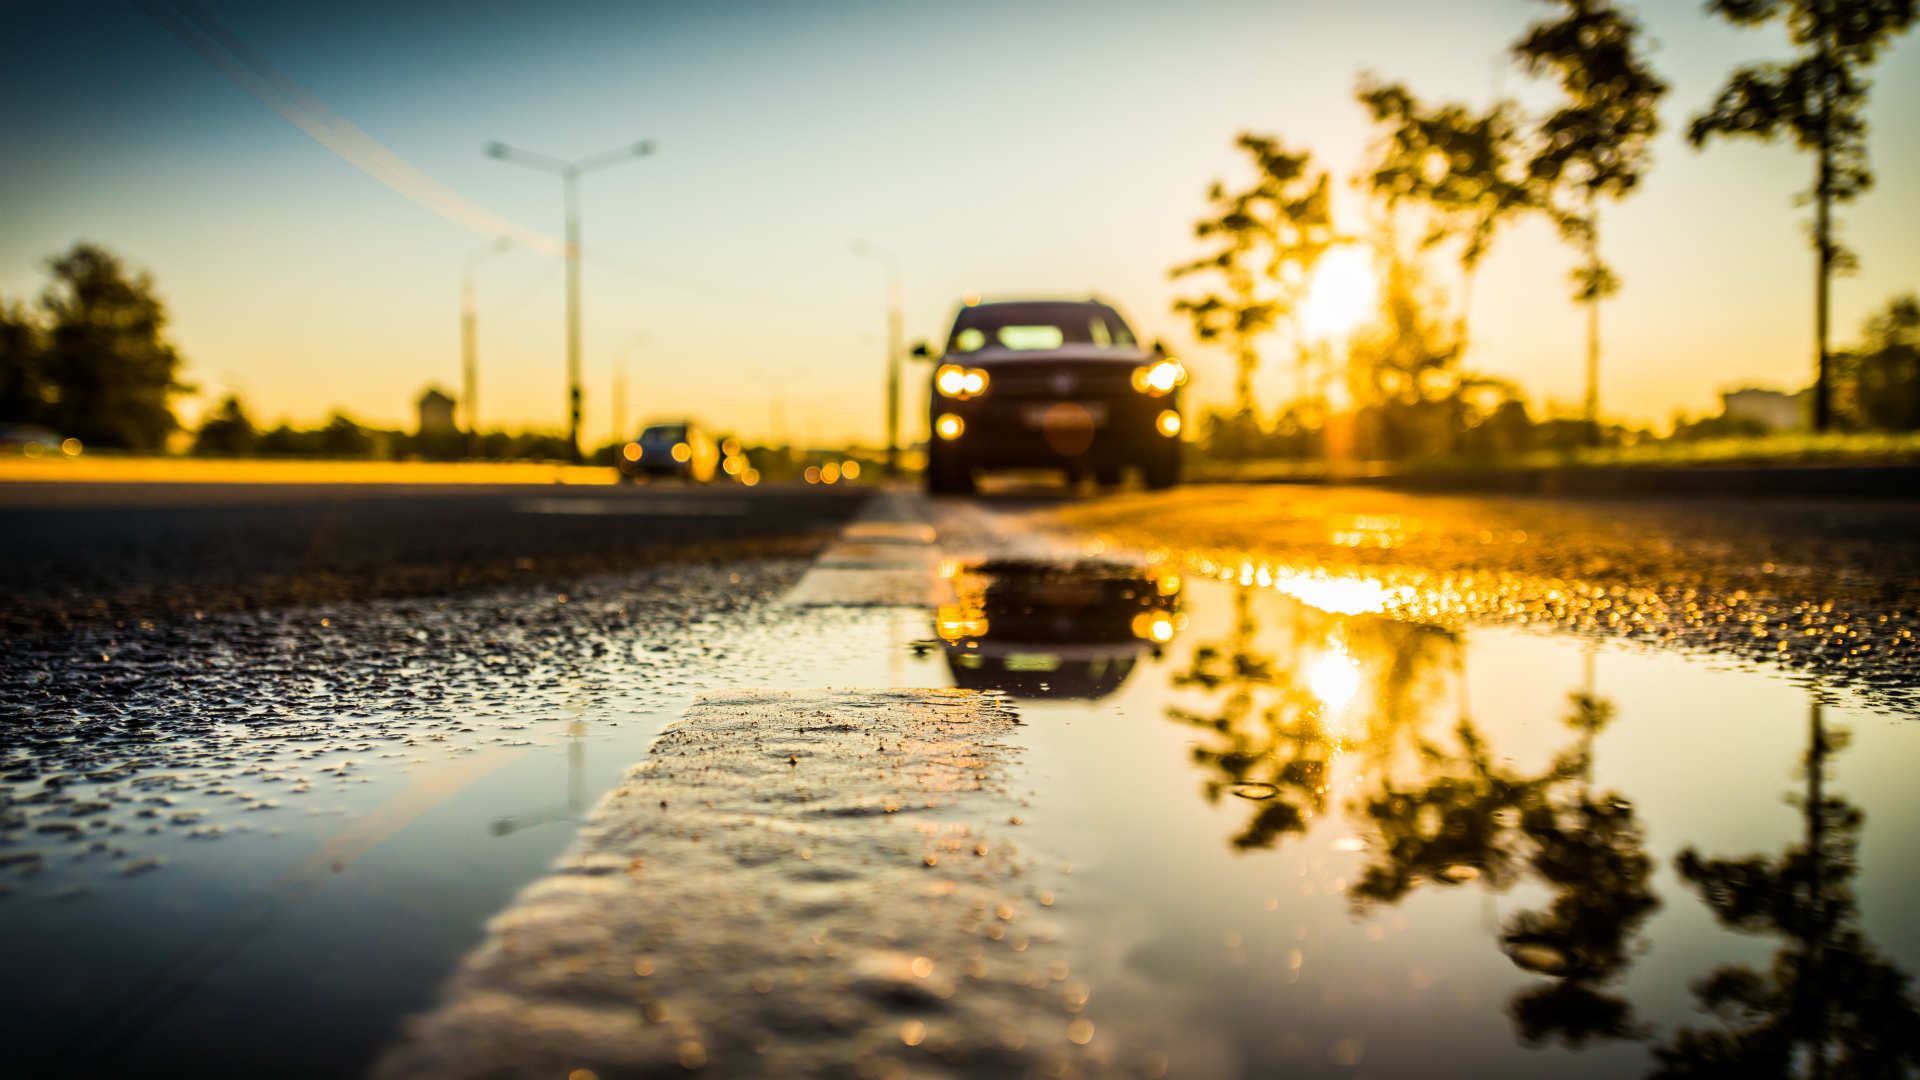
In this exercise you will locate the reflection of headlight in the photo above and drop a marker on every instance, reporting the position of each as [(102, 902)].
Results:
[(954, 381), (956, 621), (1160, 378), (682, 452), (1154, 626)]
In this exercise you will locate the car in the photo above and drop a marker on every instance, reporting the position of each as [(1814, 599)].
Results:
[(678, 450), (1051, 384)]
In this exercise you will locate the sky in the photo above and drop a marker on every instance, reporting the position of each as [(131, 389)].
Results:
[(1000, 149)]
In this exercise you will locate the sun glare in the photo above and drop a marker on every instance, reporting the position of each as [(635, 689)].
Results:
[(1342, 293)]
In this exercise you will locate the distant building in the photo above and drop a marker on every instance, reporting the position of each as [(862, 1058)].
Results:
[(436, 413), (1771, 409)]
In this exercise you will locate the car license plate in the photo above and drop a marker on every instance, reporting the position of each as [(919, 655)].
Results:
[(1064, 414)]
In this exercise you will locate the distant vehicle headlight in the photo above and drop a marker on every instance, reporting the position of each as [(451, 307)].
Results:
[(1159, 378), (954, 381), (631, 451), (682, 452)]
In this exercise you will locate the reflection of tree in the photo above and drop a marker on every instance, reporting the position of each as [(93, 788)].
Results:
[(1828, 1006), (1269, 740), (1473, 819), (1590, 850), (1271, 746)]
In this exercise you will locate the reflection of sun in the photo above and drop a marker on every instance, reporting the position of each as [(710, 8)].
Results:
[(1342, 293), (1334, 678)]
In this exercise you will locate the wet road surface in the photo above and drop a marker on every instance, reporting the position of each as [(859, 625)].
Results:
[(1286, 820), (76, 553)]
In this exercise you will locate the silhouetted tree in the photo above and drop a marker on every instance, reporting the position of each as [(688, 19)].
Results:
[(1404, 373), (1464, 166), (105, 354), (1269, 236), (1820, 100), (1882, 375), (25, 393), (1828, 1001), (227, 432), (342, 438), (1596, 144)]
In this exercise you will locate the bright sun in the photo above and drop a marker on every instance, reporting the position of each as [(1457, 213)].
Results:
[(1341, 295)]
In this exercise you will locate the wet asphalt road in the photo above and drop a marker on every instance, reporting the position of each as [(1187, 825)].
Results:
[(363, 657), (86, 553), (1825, 586)]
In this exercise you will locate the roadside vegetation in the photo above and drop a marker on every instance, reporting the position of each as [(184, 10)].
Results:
[(1392, 380)]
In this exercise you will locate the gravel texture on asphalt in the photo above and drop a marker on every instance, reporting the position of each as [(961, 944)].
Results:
[(117, 737), (1830, 587), (792, 884)]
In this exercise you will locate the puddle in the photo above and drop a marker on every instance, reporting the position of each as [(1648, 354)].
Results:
[(1306, 841), (1325, 840)]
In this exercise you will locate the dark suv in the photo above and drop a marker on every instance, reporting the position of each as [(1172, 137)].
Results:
[(1058, 384)]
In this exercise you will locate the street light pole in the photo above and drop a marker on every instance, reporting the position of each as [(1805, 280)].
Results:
[(569, 173), (861, 247), (469, 363)]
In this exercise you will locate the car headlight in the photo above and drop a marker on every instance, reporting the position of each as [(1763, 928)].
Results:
[(954, 381), (1160, 378)]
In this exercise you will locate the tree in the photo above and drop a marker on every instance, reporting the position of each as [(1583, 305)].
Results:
[(1820, 99), (1463, 166), (1594, 146), (106, 353), (1269, 236), (25, 393), (1882, 376), (342, 438), (227, 432)]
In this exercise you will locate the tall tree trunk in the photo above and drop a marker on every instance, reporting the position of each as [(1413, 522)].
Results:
[(1823, 238), (1593, 322)]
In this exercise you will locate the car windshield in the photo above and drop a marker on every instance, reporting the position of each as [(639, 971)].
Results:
[(672, 434), (1036, 326)]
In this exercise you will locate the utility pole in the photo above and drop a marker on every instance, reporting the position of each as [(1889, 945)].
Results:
[(894, 320), (469, 363), (620, 402), (569, 173)]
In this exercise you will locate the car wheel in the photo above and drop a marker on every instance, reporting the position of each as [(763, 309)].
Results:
[(948, 477), (1108, 476), (1161, 473)]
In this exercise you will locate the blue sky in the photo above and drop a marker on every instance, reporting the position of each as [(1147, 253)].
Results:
[(999, 148)]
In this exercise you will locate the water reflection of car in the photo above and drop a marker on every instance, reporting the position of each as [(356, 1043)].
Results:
[(670, 451), (1051, 384), (1068, 630)]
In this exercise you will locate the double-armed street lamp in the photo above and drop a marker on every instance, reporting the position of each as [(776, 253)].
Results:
[(569, 173), (861, 247)]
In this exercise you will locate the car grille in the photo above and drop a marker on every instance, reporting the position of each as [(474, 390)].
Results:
[(1062, 381)]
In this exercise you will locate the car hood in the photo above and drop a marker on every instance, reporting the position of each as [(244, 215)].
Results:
[(1075, 354)]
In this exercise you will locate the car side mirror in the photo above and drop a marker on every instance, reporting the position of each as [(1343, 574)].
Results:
[(920, 351)]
